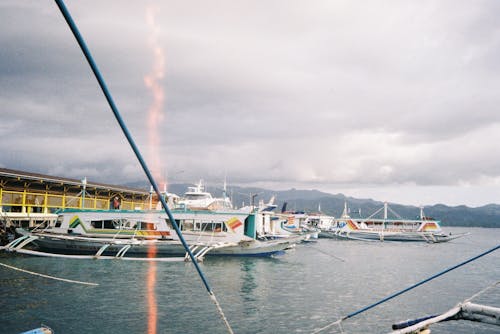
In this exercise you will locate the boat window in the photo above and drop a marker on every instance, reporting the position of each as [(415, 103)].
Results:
[(126, 224), (96, 223), (147, 226), (177, 221), (109, 224), (106, 224), (196, 196), (169, 224), (210, 226), (187, 225), (59, 221)]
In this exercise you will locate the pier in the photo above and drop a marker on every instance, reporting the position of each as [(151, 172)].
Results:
[(29, 199)]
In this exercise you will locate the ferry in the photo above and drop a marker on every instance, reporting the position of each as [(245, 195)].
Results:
[(425, 229), (197, 198), (139, 233)]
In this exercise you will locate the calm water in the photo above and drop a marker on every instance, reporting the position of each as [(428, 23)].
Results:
[(297, 292)]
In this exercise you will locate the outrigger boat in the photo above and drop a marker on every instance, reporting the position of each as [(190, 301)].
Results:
[(43, 329), (321, 223), (115, 233), (465, 310), (273, 226), (424, 229), (270, 225)]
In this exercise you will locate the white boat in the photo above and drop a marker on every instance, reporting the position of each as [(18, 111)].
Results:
[(142, 233), (321, 223), (388, 229), (270, 225), (196, 198), (297, 222), (43, 329)]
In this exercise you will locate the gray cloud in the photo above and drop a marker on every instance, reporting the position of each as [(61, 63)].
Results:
[(332, 95)]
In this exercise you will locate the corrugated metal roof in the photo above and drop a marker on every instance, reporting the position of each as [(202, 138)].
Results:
[(4, 172)]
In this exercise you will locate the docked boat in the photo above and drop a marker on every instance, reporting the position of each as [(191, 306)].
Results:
[(270, 225), (196, 198), (43, 329), (321, 223), (141, 233), (297, 222), (425, 229)]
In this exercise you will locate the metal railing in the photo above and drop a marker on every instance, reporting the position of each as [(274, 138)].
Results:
[(44, 202)]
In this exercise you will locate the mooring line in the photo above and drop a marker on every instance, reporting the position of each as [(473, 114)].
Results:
[(482, 292), (47, 276), (119, 119), (326, 253), (350, 315)]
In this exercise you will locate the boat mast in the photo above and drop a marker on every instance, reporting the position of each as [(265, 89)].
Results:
[(225, 188), (344, 214), (84, 190)]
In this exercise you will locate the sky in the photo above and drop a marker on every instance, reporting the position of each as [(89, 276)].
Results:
[(392, 100)]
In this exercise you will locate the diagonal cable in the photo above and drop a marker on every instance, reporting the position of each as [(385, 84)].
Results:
[(119, 119)]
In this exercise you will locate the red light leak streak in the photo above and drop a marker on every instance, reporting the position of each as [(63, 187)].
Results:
[(151, 295), (155, 116), (152, 81)]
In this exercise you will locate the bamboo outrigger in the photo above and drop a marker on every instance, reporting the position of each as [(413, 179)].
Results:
[(465, 310)]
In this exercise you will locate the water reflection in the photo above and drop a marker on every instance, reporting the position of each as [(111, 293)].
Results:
[(248, 284), (150, 292)]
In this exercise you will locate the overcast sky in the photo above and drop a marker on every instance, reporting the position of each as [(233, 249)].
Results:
[(391, 100)]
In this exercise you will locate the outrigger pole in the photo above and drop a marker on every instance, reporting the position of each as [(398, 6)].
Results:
[(350, 315), (107, 94)]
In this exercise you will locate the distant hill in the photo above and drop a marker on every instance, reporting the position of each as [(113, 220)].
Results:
[(333, 204)]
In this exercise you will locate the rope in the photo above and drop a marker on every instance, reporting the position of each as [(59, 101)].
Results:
[(338, 322), (373, 214), (394, 213), (326, 253), (221, 313), (119, 119), (409, 288), (47, 276), (481, 292)]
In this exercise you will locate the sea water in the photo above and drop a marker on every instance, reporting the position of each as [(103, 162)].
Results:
[(305, 289)]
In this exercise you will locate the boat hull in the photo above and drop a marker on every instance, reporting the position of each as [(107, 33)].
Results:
[(63, 244), (389, 236), (253, 248), (80, 245)]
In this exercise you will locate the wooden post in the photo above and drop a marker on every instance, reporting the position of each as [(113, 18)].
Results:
[(46, 201)]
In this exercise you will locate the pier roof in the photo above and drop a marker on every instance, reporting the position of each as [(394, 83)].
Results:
[(13, 176)]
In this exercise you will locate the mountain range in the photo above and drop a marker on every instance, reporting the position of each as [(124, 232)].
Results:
[(333, 204)]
